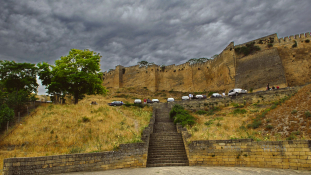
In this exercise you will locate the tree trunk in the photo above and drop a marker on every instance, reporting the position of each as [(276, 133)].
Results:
[(76, 96)]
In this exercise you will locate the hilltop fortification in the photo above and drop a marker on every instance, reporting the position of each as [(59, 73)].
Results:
[(280, 61)]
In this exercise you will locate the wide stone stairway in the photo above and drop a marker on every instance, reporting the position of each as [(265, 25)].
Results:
[(166, 147)]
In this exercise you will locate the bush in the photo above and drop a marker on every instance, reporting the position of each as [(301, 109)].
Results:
[(180, 115), (256, 123), (273, 106), (210, 122), (294, 45), (85, 119), (294, 111), (270, 45), (251, 90), (308, 114), (239, 111), (307, 40), (248, 49), (201, 112), (269, 127)]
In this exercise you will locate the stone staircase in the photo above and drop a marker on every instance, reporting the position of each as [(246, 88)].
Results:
[(166, 147)]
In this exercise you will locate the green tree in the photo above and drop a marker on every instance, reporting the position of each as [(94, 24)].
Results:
[(197, 60), (76, 74), (18, 76), (6, 114)]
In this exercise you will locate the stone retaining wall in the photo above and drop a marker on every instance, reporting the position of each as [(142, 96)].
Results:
[(133, 155), (248, 153)]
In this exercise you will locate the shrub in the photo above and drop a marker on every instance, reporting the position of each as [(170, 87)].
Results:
[(201, 112), (295, 44), (294, 111), (269, 127), (307, 40), (270, 45), (247, 49), (268, 120), (251, 90), (239, 111), (273, 106), (180, 115), (237, 105), (308, 114), (210, 122), (218, 124), (256, 123), (85, 119)]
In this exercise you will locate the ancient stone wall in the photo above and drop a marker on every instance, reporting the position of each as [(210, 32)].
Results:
[(257, 70), (277, 62)]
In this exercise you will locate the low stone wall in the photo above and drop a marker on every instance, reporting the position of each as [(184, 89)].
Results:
[(248, 153), (132, 155)]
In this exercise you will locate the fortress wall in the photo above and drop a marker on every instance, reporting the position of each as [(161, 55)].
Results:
[(136, 76), (226, 70), (177, 78), (257, 70), (111, 79), (221, 72), (296, 63)]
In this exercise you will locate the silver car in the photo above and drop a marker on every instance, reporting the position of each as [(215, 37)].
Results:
[(237, 91)]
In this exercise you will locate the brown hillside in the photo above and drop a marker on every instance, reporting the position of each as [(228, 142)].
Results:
[(292, 117)]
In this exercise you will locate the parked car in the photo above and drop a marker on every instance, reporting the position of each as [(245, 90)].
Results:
[(204, 97), (137, 101), (216, 95), (184, 98), (115, 103), (155, 100), (149, 101), (198, 97), (170, 99), (237, 91)]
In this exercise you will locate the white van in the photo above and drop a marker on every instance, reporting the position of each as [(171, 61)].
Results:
[(170, 99), (155, 100)]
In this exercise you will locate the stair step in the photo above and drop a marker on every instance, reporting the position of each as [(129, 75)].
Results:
[(167, 156), (166, 164)]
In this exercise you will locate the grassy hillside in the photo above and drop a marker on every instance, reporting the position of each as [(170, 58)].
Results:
[(62, 129), (286, 119)]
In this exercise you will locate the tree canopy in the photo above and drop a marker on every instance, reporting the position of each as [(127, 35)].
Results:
[(76, 74), (18, 76), (197, 60)]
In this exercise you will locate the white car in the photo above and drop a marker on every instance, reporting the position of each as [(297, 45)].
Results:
[(184, 98), (199, 96), (237, 91), (137, 101), (216, 95), (170, 99), (155, 100)]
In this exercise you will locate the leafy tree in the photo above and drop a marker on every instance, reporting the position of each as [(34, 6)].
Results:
[(6, 114), (197, 60), (76, 74), (18, 76), (144, 63)]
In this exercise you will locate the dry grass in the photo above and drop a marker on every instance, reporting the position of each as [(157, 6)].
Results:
[(61, 129), (289, 120)]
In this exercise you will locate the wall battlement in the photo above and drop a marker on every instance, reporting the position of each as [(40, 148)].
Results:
[(291, 38), (280, 64)]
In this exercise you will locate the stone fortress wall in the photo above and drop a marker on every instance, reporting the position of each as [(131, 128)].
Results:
[(280, 65)]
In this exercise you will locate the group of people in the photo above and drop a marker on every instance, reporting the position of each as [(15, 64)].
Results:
[(273, 88)]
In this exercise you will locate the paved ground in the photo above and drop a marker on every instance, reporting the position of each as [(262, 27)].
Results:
[(194, 171)]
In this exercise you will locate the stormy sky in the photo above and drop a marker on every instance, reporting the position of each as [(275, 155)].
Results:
[(124, 32)]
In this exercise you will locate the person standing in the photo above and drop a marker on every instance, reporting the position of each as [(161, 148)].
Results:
[(268, 87)]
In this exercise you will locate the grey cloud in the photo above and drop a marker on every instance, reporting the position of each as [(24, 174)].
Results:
[(125, 32)]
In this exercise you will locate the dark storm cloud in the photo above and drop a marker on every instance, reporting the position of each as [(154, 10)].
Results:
[(125, 32)]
